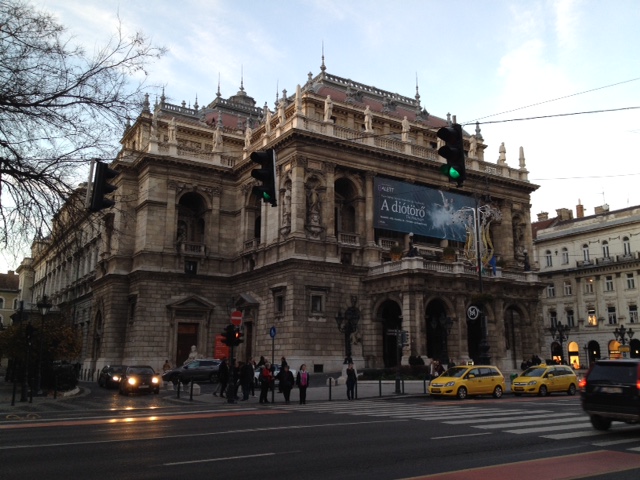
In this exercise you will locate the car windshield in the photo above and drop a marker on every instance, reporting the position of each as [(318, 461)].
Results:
[(455, 372), (533, 372), (140, 371)]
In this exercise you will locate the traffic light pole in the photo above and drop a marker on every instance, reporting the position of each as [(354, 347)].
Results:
[(231, 387), (484, 347)]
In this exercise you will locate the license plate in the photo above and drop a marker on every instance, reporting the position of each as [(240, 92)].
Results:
[(143, 386), (518, 389), (611, 390), (435, 390)]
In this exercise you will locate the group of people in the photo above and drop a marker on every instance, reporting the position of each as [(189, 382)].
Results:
[(534, 360)]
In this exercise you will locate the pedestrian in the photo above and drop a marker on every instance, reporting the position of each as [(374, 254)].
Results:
[(235, 379), (286, 383), (246, 379), (261, 362), (167, 366), (252, 362), (266, 378), (352, 378), (223, 377), (302, 381)]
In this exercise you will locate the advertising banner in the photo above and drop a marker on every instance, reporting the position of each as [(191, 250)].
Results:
[(405, 207)]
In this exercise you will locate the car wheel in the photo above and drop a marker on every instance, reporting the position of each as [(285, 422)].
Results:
[(544, 391), (462, 393), (572, 390), (600, 423), (497, 392)]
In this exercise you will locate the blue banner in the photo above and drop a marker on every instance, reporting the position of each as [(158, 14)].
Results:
[(405, 207)]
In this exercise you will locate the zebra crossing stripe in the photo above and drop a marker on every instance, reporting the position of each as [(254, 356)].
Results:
[(543, 414), (551, 428), (548, 421)]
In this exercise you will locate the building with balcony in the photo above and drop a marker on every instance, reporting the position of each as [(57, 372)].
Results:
[(364, 220), (590, 267)]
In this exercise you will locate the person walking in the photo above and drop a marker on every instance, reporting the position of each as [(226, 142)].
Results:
[(166, 367), (246, 379), (266, 378), (252, 362), (302, 381), (352, 379), (223, 377), (286, 383)]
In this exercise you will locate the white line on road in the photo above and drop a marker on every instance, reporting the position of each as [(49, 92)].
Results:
[(222, 459), (464, 435)]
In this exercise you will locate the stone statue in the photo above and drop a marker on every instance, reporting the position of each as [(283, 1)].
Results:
[(193, 355), (281, 115), (368, 120), (405, 129), (217, 139), (286, 207), (502, 157), (328, 109), (473, 147), (172, 130), (248, 133)]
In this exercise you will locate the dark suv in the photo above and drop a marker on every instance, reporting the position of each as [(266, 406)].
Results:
[(203, 369), (610, 391)]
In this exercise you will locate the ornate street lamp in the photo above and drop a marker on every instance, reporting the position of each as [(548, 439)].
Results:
[(348, 324), (623, 335), (560, 333), (44, 305)]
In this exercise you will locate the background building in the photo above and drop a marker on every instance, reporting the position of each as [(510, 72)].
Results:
[(9, 293), (359, 182), (590, 266)]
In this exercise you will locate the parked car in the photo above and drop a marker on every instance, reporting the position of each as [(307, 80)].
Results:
[(203, 369), (110, 375), (140, 379), (276, 373), (468, 380), (611, 391), (545, 379)]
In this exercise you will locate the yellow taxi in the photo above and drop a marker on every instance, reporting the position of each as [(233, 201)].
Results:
[(468, 380), (545, 379)]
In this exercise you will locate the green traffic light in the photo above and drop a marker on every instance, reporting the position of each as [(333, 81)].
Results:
[(450, 172)]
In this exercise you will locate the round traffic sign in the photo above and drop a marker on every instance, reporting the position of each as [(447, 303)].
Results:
[(236, 318), (473, 312), (272, 332)]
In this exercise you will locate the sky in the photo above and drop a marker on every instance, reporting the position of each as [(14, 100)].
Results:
[(492, 61)]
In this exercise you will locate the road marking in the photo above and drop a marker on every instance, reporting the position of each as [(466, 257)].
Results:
[(465, 435), (222, 459), (550, 428), (548, 421)]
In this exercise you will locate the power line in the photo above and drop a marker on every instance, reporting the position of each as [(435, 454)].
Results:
[(555, 115)]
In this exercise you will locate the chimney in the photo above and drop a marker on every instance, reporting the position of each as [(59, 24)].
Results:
[(564, 214), (543, 216), (601, 209), (579, 210)]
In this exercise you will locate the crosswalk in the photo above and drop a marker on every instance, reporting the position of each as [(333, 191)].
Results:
[(546, 423)]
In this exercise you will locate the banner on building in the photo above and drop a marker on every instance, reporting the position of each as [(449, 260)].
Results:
[(409, 208)]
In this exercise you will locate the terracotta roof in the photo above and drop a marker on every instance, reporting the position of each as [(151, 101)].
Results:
[(9, 281)]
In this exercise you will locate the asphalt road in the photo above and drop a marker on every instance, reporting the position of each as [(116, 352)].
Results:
[(104, 435)]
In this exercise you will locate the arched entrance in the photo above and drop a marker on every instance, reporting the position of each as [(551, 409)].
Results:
[(634, 348), (593, 351), (391, 316), (436, 328)]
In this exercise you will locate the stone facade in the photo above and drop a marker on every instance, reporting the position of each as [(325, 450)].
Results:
[(187, 242)]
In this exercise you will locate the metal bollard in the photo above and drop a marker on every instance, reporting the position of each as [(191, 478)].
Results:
[(330, 385), (191, 392), (380, 386), (178, 390)]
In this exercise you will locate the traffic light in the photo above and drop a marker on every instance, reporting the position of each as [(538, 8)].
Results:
[(267, 175), (453, 152), (101, 187), (229, 335), (237, 338)]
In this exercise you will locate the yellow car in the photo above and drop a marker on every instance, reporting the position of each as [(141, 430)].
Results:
[(468, 380), (544, 379)]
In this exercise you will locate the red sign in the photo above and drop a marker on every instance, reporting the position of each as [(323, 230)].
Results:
[(236, 318), (220, 350)]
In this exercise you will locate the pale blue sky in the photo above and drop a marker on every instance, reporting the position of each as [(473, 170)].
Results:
[(473, 58)]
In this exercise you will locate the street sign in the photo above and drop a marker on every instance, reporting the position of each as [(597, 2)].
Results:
[(272, 332), (473, 312), (236, 318)]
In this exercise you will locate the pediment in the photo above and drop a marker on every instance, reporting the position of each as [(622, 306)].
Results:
[(191, 302)]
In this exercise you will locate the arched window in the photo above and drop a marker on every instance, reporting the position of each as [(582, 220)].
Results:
[(191, 219), (605, 249), (626, 246), (1, 303), (585, 252), (345, 207), (565, 256), (549, 258)]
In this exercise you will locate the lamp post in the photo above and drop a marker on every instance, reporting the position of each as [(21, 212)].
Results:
[(623, 334), (348, 324), (560, 333), (44, 305), (445, 324)]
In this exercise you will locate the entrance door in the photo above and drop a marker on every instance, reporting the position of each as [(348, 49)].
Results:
[(187, 336), (390, 314)]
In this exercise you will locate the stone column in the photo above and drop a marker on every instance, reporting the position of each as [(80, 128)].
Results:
[(298, 196), (368, 233)]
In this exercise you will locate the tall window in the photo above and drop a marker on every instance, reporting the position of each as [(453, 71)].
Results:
[(608, 283), (591, 316), (549, 258), (553, 318), (611, 313), (1, 303), (631, 281), (571, 318), (551, 291), (605, 249), (626, 246), (585, 252), (588, 285), (565, 256), (633, 313), (567, 288)]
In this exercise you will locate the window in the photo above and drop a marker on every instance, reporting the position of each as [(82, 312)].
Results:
[(633, 313), (565, 256), (626, 246), (631, 281), (190, 267), (553, 318), (15, 303), (591, 315), (1, 303), (605, 249), (551, 291), (570, 318), (317, 304), (611, 313), (588, 286), (279, 303), (548, 258), (567, 288), (608, 283), (585, 252)]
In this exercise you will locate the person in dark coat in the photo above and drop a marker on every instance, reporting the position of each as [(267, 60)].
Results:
[(286, 383), (246, 379), (266, 378), (223, 377), (352, 378), (302, 381)]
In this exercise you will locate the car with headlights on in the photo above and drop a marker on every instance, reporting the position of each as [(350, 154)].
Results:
[(469, 380), (140, 379), (545, 379), (110, 375)]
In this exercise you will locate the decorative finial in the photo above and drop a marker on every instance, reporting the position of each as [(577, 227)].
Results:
[(242, 78), (417, 91), (218, 94), (478, 134), (162, 98), (195, 105), (323, 67)]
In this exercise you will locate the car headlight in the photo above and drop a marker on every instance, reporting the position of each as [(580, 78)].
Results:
[(116, 378), (155, 380), (532, 382), (132, 381), (449, 384)]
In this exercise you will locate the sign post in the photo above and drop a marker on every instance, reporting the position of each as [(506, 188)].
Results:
[(236, 318)]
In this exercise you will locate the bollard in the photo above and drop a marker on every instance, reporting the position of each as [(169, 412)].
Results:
[(356, 390), (403, 385), (330, 384), (178, 390), (55, 386), (424, 385), (380, 386), (191, 391)]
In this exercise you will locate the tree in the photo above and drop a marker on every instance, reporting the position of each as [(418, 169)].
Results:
[(59, 107)]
